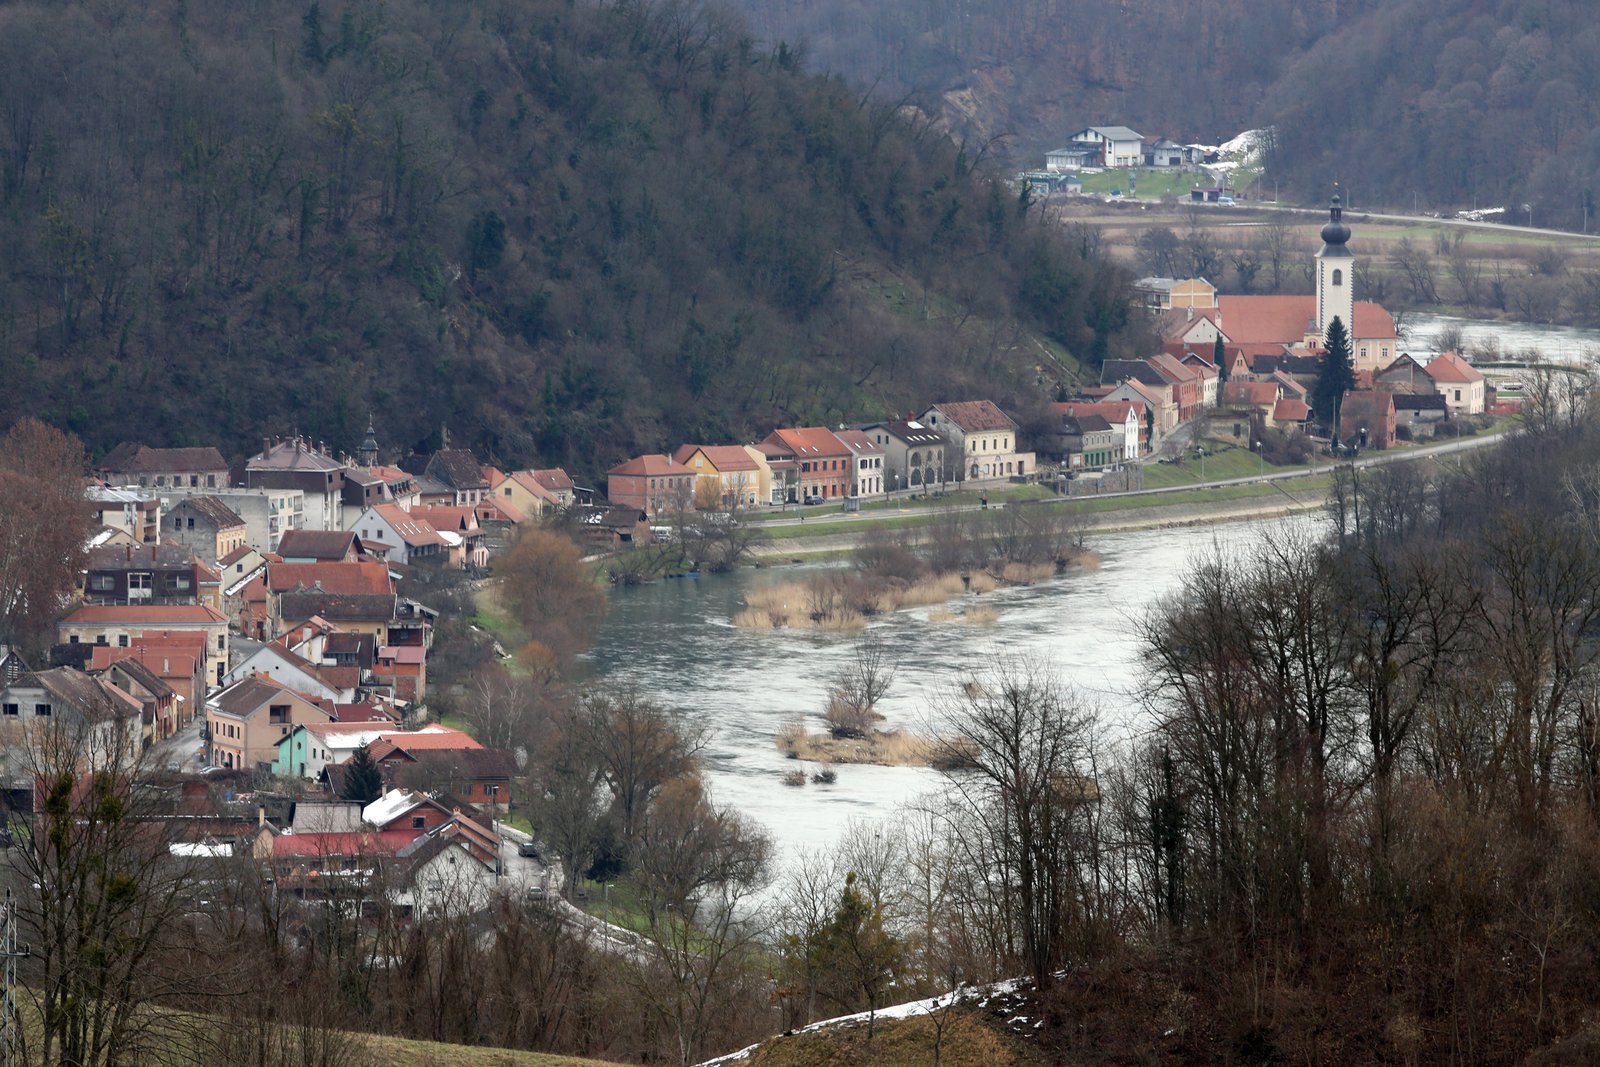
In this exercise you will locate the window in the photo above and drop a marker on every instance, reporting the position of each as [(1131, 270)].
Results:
[(41, 711), (181, 582), (99, 639), (194, 482), (102, 582), (9, 709), (72, 640), (1338, 277), (222, 642), (122, 640), (417, 822), (191, 523), (1458, 396)]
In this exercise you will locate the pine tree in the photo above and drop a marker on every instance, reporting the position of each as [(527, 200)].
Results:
[(1336, 378), (363, 781)]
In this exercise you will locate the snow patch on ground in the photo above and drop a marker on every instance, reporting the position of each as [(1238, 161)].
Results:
[(984, 995), (1246, 146)]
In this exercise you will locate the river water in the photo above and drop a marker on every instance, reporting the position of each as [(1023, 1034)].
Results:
[(1557, 344), (675, 641)]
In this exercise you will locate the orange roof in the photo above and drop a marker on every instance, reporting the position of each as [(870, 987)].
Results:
[(1450, 367), (858, 442), (154, 614), (1250, 320), (722, 458), (1291, 410), (165, 664), (807, 442), (533, 485), (414, 531), (653, 465), (1172, 368), (342, 578), (1113, 411), (457, 517)]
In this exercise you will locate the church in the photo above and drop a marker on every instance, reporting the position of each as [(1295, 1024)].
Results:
[(1255, 326)]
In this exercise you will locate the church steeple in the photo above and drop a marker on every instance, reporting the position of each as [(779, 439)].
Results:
[(367, 454), (1335, 267)]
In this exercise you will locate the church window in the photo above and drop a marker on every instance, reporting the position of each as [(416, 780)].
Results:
[(1338, 277)]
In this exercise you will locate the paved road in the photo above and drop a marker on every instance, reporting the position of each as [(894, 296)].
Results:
[(1324, 464)]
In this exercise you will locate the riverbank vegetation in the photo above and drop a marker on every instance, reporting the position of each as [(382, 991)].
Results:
[(952, 555)]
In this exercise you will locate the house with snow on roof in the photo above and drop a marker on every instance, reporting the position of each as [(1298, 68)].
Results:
[(983, 440)]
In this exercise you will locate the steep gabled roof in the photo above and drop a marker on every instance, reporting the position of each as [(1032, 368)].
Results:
[(809, 442), (653, 465), (415, 532), (456, 468), (1450, 367)]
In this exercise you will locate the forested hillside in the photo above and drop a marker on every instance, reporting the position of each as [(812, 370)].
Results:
[(1461, 102), (569, 232)]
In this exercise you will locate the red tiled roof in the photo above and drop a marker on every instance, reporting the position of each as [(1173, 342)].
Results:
[(457, 517), (360, 579), (1450, 367), (152, 614), (653, 465), (414, 531), (975, 416), (1257, 393), (722, 458), (1291, 410), (1114, 412), (554, 479), (162, 661), (1249, 320), (808, 442), (368, 843)]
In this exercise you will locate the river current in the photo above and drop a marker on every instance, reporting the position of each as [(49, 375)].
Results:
[(675, 641)]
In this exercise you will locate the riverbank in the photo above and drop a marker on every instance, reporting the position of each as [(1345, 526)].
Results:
[(1195, 507)]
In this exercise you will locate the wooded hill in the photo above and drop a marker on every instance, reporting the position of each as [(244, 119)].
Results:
[(1462, 102), (570, 232)]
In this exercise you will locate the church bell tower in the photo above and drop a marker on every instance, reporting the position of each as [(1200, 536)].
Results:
[(1336, 296)]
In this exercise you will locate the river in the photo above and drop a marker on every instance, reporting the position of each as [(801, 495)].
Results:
[(1557, 344), (675, 641)]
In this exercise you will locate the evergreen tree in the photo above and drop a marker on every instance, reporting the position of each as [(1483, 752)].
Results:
[(1336, 378), (363, 781)]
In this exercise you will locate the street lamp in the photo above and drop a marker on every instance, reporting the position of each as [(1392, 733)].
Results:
[(1261, 454)]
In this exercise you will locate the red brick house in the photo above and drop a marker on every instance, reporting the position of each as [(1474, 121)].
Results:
[(1372, 411), (653, 483), (824, 462)]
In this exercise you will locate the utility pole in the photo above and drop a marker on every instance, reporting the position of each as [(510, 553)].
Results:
[(10, 1045)]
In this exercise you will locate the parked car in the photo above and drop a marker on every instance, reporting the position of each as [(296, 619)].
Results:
[(529, 849), (813, 499)]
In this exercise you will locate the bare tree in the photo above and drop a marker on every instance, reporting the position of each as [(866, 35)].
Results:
[(1023, 746), (855, 691), (43, 472)]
